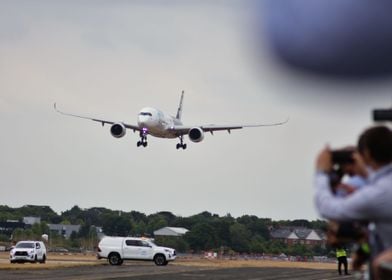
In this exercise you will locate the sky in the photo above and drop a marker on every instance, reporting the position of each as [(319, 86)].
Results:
[(109, 59)]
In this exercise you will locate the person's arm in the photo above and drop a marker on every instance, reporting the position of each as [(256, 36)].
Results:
[(362, 204)]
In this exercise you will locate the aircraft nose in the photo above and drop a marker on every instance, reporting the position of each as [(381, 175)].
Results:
[(144, 121)]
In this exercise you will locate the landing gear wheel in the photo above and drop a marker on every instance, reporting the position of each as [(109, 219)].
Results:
[(181, 144), (145, 144), (138, 143)]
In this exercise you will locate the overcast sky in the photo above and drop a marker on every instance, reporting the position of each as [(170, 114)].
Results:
[(109, 59)]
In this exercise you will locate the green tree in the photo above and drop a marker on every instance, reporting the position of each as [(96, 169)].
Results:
[(168, 216), (299, 250), (176, 242), (155, 221), (276, 247), (4, 238), (138, 217), (202, 237), (222, 230), (74, 241), (255, 225), (139, 229), (117, 225), (240, 238), (257, 244), (39, 229), (319, 224)]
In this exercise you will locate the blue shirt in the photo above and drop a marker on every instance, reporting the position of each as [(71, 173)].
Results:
[(355, 181), (372, 203)]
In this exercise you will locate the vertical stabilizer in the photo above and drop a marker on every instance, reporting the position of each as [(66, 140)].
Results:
[(179, 111)]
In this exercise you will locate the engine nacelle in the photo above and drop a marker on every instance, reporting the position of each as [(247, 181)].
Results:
[(196, 134), (118, 130)]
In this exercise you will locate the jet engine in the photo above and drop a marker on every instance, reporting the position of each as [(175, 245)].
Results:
[(117, 130), (196, 134)]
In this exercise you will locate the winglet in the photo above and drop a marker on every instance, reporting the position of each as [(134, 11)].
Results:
[(179, 111), (57, 110)]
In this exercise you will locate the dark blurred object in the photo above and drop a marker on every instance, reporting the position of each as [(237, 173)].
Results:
[(353, 231), (361, 256), (339, 159), (380, 115), (343, 233), (350, 38), (335, 178), (342, 156), (386, 270)]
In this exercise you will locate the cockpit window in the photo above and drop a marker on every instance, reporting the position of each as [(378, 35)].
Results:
[(145, 114)]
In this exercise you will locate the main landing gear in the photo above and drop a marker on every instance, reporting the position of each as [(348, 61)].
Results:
[(143, 139), (181, 144)]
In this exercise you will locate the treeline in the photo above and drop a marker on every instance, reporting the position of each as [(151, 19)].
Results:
[(207, 231)]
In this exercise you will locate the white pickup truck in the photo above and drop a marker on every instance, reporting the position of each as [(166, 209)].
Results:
[(28, 251), (118, 249)]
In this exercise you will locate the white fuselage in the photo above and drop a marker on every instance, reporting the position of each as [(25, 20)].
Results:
[(157, 123)]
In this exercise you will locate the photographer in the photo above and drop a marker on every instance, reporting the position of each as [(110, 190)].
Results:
[(371, 203)]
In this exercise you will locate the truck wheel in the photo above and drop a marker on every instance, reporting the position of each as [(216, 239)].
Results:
[(43, 259), (160, 259), (115, 259), (35, 259)]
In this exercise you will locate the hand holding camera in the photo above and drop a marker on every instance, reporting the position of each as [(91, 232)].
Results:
[(347, 159)]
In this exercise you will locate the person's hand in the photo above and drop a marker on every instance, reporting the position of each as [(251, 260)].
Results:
[(345, 187), (324, 160)]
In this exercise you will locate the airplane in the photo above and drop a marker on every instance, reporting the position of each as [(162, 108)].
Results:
[(154, 122)]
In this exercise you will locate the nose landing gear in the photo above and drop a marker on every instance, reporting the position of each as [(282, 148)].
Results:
[(142, 143), (181, 144), (143, 138)]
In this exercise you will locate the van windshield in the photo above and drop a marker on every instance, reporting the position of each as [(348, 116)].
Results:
[(25, 245)]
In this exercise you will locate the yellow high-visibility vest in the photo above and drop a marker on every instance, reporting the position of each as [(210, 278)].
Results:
[(341, 253)]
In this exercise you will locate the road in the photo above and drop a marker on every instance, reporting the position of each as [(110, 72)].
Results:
[(148, 271)]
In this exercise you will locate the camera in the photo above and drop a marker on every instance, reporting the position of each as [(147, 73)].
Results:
[(342, 156), (382, 115), (339, 159)]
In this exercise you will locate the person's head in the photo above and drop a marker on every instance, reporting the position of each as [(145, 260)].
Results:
[(375, 146)]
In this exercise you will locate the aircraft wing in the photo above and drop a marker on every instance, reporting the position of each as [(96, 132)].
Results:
[(103, 122), (213, 127)]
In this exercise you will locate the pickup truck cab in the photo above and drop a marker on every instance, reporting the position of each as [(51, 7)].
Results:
[(28, 251), (118, 249)]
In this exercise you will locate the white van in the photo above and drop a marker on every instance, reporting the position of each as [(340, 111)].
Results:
[(28, 251), (118, 249)]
